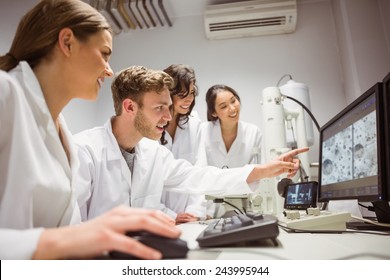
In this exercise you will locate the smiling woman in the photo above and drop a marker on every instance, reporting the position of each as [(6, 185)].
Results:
[(180, 138), (227, 142), (88, 63), (60, 51)]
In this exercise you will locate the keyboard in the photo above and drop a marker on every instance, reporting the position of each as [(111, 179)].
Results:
[(239, 229)]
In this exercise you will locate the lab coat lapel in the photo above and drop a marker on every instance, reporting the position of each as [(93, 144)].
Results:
[(238, 142), (140, 171), (126, 171), (48, 131), (72, 214), (51, 139), (140, 162), (114, 153), (217, 137)]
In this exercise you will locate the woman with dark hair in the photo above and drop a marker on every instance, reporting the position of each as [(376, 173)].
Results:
[(181, 137), (226, 141), (60, 52)]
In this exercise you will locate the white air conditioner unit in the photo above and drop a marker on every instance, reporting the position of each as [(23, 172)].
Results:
[(250, 18)]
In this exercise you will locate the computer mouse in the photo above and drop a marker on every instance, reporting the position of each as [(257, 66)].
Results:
[(170, 248)]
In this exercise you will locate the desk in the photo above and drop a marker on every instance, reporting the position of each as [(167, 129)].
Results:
[(294, 246)]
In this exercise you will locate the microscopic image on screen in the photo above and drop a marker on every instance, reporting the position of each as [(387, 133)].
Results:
[(291, 195), (299, 194), (337, 157), (365, 147)]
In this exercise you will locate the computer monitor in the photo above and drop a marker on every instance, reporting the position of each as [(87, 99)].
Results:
[(354, 152)]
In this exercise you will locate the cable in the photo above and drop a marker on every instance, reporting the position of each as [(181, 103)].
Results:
[(233, 250), (302, 171), (294, 230), (297, 101), (369, 208), (288, 229), (362, 205), (232, 205), (306, 109), (360, 255), (286, 75), (221, 200), (384, 225)]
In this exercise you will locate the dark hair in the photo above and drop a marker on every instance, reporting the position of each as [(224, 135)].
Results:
[(211, 96), (183, 76), (134, 82), (38, 30)]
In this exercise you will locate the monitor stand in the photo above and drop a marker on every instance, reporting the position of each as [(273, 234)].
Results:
[(365, 226), (382, 211)]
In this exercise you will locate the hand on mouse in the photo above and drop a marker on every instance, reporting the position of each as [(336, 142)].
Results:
[(106, 233)]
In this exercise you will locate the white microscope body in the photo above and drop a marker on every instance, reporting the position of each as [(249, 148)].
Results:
[(279, 116), (276, 120)]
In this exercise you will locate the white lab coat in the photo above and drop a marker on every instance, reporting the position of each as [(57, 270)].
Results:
[(212, 150), (107, 181), (36, 178), (185, 146)]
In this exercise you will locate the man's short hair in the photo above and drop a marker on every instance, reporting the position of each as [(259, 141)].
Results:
[(134, 82)]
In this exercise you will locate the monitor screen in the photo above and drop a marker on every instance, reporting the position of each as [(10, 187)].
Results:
[(351, 143)]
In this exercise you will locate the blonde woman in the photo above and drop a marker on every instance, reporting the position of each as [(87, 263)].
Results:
[(60, 52)]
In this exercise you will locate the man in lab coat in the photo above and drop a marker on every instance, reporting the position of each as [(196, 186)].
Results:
[(122, 163)]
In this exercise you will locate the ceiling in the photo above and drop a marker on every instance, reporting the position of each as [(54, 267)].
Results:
[(140, 13), (184, 8)]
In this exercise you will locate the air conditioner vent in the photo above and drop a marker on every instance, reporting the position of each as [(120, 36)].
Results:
[(248, 23), (250, 18)]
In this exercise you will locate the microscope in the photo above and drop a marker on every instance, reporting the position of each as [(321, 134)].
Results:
[(285, 126)]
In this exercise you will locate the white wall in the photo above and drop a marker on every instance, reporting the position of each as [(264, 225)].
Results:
[(249, 65), (311, 55), (81, 114), (363, 28)]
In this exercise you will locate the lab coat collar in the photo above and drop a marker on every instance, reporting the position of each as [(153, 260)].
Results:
[(75, 217), (218, 132), (217, 136), (33, 92), (37, 103), (24, 74), (114, 153), (142, 160), (113, 150)]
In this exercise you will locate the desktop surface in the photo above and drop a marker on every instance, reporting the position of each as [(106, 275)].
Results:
[(293, 246)]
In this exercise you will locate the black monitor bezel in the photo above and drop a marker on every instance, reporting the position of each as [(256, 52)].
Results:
[(382, 118), (386, 129)]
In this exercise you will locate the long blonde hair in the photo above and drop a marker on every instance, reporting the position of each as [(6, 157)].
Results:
[(38, 30)]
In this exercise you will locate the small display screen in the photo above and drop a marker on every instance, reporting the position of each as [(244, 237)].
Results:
[(301, 195)]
